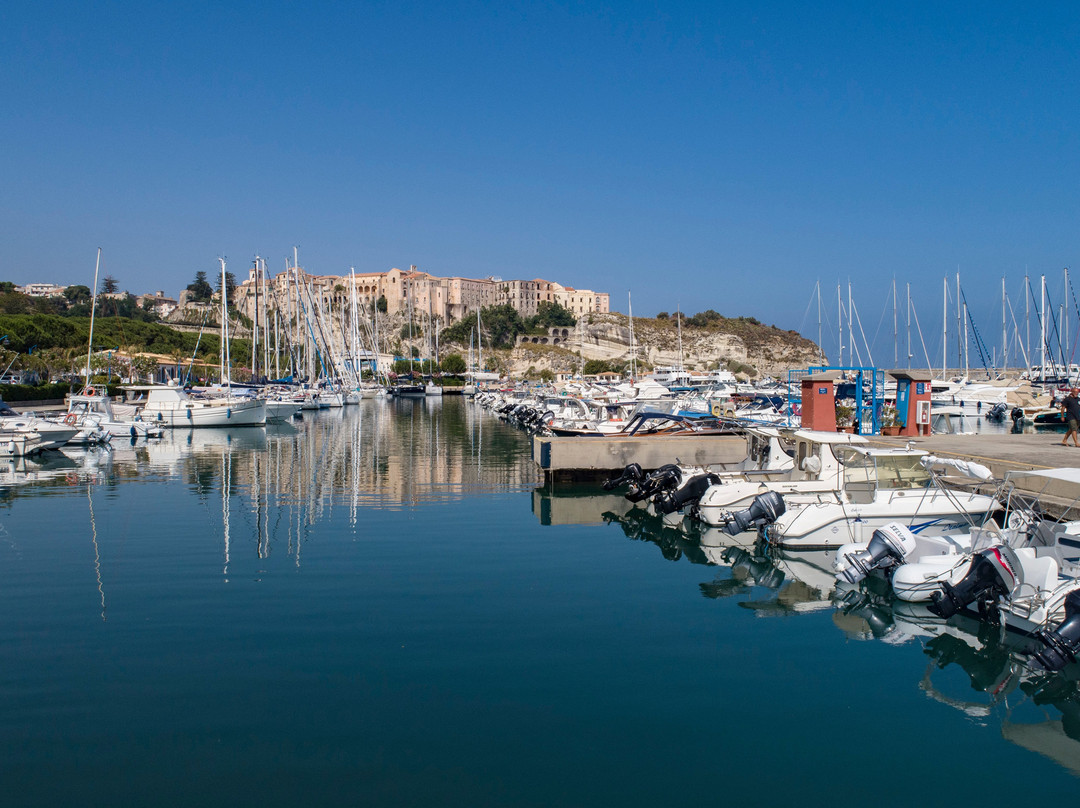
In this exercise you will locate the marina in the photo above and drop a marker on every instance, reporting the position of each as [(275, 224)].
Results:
[(383, 603)]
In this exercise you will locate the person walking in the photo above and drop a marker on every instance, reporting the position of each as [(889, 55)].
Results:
[(1070, 407)]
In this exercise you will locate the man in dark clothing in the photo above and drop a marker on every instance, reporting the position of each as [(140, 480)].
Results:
[(1070, 406)]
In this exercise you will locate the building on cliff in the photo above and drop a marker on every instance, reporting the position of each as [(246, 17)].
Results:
[(446, 299)]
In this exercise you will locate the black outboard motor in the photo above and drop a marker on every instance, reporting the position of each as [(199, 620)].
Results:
[(888, 546), (994, 573), (997, 413), (1062, 643), (665, 477), (630, 474), (764, 510), (688, 493)]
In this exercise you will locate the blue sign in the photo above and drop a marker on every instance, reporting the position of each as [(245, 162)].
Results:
[(822, 391), (920, 388)]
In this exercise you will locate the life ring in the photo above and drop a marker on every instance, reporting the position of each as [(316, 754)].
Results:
[(70, 419), (90, 391)]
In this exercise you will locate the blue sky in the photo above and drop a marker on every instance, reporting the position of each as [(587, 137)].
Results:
[(702, 155)]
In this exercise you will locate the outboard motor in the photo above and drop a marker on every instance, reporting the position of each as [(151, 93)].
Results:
[(665, 477), (888, 546), (1062, 643), (994, 573), (630, 474), (997, 413), (764, 510), (688, 493)]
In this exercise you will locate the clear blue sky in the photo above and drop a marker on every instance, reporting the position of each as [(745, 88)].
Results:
[(708, 155)]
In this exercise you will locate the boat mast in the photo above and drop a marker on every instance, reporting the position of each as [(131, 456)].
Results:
[(93, 306), (961, 329), (1042, 329), (1004, 332), (1065, 328), (255, 327), (821, 345), (944, 327), (839, 325), (909, 325), (226, 359), (895, 337)]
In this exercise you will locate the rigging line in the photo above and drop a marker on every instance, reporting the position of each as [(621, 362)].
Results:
[(869, 354), (918, 328), (979, 346), (1016, 330), (884, 311)]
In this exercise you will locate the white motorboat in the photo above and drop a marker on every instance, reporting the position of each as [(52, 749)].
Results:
[(171, 406), (787, 461), (98, 408), (880, 486)]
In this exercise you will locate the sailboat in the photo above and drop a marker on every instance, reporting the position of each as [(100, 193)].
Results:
[(172, 406)]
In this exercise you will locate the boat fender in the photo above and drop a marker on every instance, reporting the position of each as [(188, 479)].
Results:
[(159, 417), (70, 419), (11, 447), (134, 432), (188, 411), (228, 412)]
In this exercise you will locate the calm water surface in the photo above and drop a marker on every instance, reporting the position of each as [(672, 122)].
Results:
[(374, 606)]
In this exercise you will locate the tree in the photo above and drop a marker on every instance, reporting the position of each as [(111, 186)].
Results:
[(7, 287), (109, 286), (199, 288), (230, 284), (663, 315), (550, 314), (381, 304), (77, 294), (453, 364)]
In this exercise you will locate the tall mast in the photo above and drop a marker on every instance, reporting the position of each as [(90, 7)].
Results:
[(255, 327), (1042, 328), (1004, 332), (821, 346), (226, 360), (678, 312), (839, 326), (909, 326), (93, 306), (944, 327), (961, 326), (1065, 327), (895, 338), (850, 330)]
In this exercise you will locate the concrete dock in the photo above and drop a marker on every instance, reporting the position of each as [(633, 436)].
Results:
[(999, 452), (594, 459)]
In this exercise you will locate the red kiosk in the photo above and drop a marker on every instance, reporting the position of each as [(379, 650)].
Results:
[(819, 401), (913, 401)]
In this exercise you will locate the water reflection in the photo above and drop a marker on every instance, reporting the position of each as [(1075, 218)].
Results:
[(977, 669), (283, 479)]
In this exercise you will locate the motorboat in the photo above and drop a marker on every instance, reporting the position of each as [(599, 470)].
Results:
[(788, 461), (92, 408), (879, 486), (172, 406)]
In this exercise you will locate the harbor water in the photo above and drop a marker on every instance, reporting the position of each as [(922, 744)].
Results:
[(376, 606)]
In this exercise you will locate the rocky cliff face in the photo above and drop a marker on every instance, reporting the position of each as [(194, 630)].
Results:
[(743, 346)]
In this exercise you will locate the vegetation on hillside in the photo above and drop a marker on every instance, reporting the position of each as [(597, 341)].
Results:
[(503, 324)]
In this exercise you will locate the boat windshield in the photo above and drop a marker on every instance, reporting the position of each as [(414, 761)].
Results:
[(902, 471), (864, 473)]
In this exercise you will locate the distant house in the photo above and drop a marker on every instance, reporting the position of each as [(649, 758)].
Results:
[(41, 290), (157, 302)]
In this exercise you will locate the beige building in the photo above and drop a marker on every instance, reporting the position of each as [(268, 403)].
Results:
[(445, 299)]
